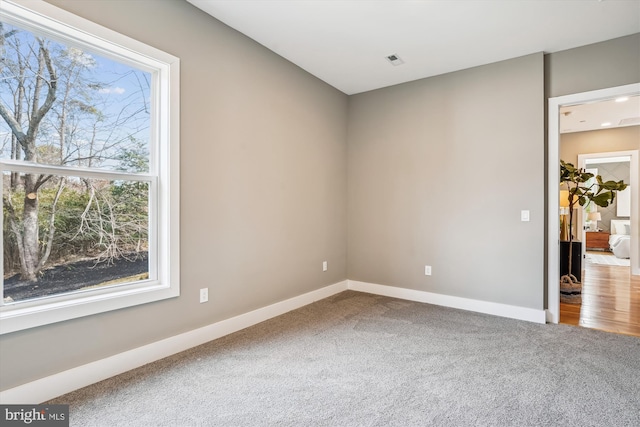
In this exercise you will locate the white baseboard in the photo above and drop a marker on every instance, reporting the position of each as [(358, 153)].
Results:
[(64, 382), (55, 385), (496, 309)]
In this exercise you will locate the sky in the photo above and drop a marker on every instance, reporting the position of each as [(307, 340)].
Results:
[(121, 95)]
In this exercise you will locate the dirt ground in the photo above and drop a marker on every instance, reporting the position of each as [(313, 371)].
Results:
[(73, 276)]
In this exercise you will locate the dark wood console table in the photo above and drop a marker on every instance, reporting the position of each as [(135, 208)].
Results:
[(598, 240)]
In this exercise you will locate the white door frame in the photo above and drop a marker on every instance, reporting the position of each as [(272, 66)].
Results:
[(553, 187)]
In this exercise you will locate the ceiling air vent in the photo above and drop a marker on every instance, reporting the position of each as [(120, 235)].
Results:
[(630, 121), (395, 59)]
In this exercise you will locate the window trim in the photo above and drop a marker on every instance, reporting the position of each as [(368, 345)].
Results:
[(164, 174)]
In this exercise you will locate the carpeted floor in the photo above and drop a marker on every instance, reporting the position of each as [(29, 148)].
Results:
[(363, 360)]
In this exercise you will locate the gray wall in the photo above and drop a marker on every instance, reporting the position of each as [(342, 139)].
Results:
[(439, 170), (597, 66), (264, 182), (263, 191), (602, 141), (598, 141)]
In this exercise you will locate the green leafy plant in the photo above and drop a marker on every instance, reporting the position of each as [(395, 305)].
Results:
[(582, 191)]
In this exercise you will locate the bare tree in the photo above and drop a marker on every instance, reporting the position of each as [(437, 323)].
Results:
[(27, 236), (57, 117)]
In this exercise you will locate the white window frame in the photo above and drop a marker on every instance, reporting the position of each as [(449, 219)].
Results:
[(163, 177)]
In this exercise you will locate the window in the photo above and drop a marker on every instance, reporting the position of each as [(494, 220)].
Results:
[(89, 146)]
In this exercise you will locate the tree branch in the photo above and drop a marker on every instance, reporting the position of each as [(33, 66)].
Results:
[(13, 123), (52, 227)]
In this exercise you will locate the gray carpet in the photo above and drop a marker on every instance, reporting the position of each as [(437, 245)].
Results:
[(363, 360)]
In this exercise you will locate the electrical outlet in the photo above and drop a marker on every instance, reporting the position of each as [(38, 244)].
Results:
[(427, 270), (204, 295), (325, 266)]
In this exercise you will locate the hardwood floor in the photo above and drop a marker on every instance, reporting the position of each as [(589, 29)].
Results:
[(610, 301)]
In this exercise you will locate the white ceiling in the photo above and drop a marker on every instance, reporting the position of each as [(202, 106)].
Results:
[(345, 42), (596, 115)]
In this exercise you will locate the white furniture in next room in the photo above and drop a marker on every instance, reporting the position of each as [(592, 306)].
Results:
[(620, 238)]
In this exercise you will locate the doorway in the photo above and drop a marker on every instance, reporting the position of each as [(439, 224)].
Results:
[(553, 220), (610, 295), (616, 166)]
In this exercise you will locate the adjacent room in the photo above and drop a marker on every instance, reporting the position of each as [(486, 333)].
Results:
[(601, 138), (345, 213)]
